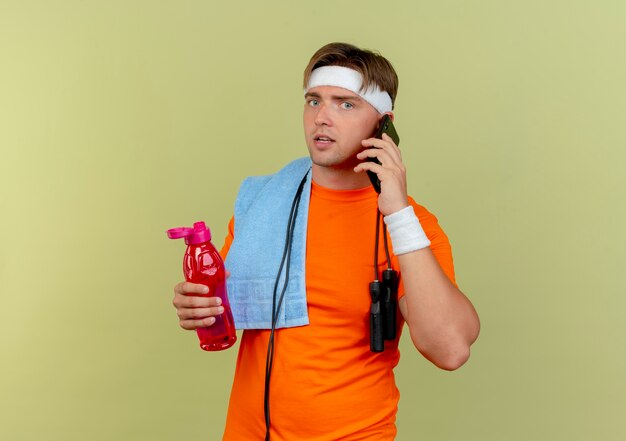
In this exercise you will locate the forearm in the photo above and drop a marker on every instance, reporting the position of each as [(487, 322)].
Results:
[(442, 321)]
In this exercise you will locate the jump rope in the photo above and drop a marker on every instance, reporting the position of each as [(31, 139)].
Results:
[(383, 293)]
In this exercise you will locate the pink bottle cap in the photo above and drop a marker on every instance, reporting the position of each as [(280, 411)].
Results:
[(198, 234)]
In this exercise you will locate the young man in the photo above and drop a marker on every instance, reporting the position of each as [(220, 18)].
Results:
[(326, 382)]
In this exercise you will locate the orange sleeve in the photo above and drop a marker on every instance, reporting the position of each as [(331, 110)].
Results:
[(439, 243), (229, 238)]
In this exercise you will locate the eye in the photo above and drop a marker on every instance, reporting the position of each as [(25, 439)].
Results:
[(313, 102), (347, 106)]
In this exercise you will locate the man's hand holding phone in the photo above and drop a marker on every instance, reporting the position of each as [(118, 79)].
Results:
[(385, 126), (383, 160)]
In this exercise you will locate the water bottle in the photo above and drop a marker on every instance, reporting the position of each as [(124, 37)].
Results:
[(203, 264)]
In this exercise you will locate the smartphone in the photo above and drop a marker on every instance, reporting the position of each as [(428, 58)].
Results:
[(385, 126)]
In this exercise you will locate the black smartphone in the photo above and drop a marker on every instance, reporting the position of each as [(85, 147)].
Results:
[(385, 126)]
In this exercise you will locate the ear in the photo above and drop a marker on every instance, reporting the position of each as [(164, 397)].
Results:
[(390, 115)]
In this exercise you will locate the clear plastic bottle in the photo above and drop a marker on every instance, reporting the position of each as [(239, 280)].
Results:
[(203, 264)]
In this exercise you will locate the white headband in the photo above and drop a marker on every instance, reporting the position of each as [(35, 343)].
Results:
[(350, 79)]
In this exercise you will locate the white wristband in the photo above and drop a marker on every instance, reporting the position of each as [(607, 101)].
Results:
[(405, 231)]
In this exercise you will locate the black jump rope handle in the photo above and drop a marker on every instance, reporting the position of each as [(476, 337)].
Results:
[(389, 301), (377, 336)]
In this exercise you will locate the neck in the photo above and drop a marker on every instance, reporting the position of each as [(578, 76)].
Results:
[(339, 179)]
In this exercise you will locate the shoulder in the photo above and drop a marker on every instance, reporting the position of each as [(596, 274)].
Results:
[(439, 242), (429, 222), (426, 217), (296, 167), (270, 190)]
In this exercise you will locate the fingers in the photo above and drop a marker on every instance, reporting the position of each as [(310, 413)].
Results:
[(199, 313), (383, 148), (391, 172), (385, 151), (193, 309), (192, 318), (370, 166), (188, 288), (190, 325), (387, 163), (194, 301)]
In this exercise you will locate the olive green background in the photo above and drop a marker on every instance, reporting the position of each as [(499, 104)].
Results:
[(121, 119)]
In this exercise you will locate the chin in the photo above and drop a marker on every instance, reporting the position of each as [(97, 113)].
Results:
[(332, 159), (334, 162)]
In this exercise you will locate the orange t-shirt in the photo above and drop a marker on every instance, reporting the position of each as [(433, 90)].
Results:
[(326, 384)]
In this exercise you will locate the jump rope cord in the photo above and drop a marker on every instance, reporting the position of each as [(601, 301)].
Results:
[(286, 259), (386, 244)]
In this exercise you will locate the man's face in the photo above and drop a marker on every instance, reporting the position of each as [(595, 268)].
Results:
[(336, 120)]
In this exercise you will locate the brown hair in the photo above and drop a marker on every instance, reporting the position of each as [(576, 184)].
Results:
[(373, 67)]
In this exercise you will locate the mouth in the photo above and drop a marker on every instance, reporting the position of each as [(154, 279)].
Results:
[(323, 139)]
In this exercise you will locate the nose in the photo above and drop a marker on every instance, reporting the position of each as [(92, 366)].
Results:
[(322, 117)]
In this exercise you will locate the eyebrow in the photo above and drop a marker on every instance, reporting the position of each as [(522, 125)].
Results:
[(335, 97)]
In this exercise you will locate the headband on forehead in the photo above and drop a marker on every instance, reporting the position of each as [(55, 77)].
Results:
[(350, 79)]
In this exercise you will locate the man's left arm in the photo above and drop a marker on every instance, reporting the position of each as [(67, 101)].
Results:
[(442, 321)]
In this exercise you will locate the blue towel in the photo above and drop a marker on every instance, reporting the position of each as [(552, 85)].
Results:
[(261, 214)]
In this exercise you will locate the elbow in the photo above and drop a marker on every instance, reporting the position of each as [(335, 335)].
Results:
[(453, 360), (457, 353), (448, 357), (449, 348)]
